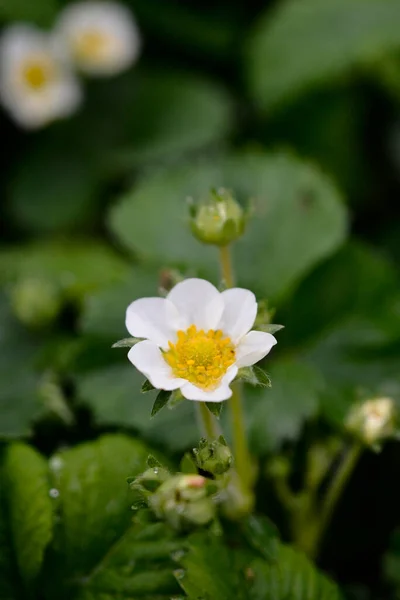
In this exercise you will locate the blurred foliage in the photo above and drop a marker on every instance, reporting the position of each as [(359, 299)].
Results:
[(294, 106)]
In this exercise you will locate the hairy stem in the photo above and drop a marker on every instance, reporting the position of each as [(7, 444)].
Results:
[(226, 266), (241, 451), (209, 425)]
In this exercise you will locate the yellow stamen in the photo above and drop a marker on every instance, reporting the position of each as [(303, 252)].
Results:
[(91, 45), (38, 72), (201, 357)]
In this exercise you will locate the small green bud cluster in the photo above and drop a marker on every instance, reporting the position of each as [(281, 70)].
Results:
[(217, 219), (373, 421), (182, 500), (36, 302), (213, 457)]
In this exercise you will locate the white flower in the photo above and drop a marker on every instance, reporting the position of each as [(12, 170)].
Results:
[(101, 37), (373, 420), (196, 338), (36, 87)]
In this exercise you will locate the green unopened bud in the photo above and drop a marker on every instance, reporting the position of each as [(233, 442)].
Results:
[(279, 467), (218, 219), (184, 501), (214, 457), (36, 302), (373, 421)]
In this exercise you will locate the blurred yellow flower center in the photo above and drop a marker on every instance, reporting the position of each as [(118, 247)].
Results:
[(201, 357), (91, 45), (37, 73)]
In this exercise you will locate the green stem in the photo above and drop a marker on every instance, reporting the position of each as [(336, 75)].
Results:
[(226, 266), (337, 486), (242, 454), (309, 527), (208, 423)]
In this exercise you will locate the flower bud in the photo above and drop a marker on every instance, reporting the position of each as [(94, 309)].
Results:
[(214, 457), (218, 219), (184, 501), (36, 302), (373, 421), (279, 467)]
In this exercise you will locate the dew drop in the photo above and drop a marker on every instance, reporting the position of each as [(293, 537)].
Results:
[(54, 493)]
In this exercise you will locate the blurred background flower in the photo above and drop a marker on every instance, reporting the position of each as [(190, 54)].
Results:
[(293, 106), (36, 87), (100, 37)]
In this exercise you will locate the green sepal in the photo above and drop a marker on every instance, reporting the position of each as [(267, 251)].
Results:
[(153, 463), (147, 387), (126, 342), (175, 400), (254, 376), (162, 399), (263, 378), (215, 408), (187, 465), (270, 328)]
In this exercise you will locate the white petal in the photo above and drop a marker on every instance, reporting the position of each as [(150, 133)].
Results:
[(253, 347), (154, 319), (222, 392), (148, 359), (113, 23), (239, 313), (198, 302)]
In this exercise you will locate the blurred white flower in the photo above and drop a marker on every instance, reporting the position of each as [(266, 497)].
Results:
[(196, 338), (36, 87), (373, 420), (101, 37)]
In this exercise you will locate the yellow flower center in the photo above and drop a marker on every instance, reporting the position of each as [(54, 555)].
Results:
[(37, 73), (91, 45), (201, 357)]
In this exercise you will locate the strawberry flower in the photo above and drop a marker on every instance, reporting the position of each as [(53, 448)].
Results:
[(196, 339)]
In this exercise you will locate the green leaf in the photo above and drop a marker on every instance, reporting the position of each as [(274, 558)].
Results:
[(355, 280), (113, 394), (208, 570), (49, 170), (291, 577), (293, 201), (262, 377), (162, 399), (19, 401), (211, 569), (262, 535), (41, 12), (77, 267), (278, 71), (172, 114), (128, 343), (29, 506), (215, 408), (147, 387), (391, 561), (137, 565), (94, 499), (279, 413), (104, 308), (10, 581)]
